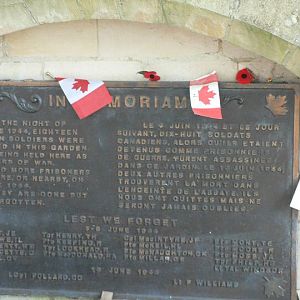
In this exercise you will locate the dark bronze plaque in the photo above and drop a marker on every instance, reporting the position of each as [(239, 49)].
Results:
[(144, 198)]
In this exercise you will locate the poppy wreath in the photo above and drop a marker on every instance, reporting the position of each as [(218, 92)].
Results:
[(244, 76)]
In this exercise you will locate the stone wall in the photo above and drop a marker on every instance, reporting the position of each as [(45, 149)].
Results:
[(281, 18), (260, 26), (117, 50)]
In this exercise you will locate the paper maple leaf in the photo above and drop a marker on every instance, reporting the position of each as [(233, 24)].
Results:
[(276, 105), (273, 287), (205, 95), (80, 84)]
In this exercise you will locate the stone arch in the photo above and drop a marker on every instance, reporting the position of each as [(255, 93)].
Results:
[(21, 14)]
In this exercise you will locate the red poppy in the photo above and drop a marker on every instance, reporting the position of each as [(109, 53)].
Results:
[(151, 75), (154, 77), (244, 76)]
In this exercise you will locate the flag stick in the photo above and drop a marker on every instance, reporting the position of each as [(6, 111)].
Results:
[(50, 75)]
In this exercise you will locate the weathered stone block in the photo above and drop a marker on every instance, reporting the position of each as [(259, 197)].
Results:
[(196, 67), (99, 9), (281, 18), (237, 54), (70, 39), (257, 40), (196, 19), (96, 69), (49, 11), (10, 2), (146, 11), (14, 17), (20, 70), (293, 62), (130, 40), (168, 69), (281, 74), (225, 8)]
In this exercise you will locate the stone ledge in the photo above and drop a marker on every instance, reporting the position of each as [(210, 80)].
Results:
[(18, 71)]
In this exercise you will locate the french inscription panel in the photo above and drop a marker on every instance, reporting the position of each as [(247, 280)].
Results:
[(145, 198)]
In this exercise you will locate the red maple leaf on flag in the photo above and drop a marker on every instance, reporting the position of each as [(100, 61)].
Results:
[(80, 84), (205, 95)]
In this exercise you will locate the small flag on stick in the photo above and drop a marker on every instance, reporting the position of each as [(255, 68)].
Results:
[(205, 98), (86, 97)]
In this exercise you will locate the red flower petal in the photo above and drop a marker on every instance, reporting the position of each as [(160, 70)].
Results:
[(244, 76), (149, 74), (154, 78)]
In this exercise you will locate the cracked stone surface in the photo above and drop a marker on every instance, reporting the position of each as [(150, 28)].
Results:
[(14, 17), (281, 18)]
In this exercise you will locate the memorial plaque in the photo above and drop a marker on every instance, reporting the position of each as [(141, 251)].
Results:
[(143, 198)]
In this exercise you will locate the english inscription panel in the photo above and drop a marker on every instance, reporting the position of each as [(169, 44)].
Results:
[(145, 198)]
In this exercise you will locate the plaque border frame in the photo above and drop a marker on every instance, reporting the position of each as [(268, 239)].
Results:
[(185, 84)]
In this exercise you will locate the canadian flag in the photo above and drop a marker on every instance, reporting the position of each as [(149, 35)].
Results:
[(205, 98), (86, 97)]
